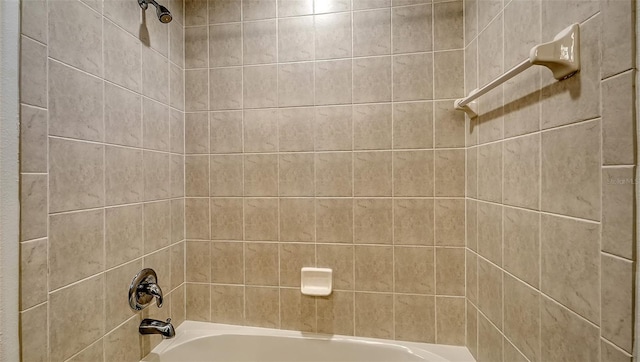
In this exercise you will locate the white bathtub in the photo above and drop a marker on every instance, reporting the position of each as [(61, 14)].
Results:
[(204, 342)]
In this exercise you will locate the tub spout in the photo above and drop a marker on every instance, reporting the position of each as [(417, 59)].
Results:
[(152, 326)]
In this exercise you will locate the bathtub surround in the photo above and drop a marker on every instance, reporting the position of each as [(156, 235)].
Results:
[(322, 134), (101, 175), (550, 190)]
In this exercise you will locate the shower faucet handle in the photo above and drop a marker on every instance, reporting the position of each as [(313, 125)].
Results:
[(143, 289)]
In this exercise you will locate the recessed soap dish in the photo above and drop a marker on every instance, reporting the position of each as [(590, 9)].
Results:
[(316, 281)]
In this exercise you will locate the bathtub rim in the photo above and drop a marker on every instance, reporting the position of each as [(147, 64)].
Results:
[(190, 330)]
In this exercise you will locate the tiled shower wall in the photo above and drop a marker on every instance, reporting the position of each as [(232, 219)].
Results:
[(550, 186), (322, 134), (101, 175)]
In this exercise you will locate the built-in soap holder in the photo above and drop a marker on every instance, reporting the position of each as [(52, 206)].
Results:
[(316, 281)]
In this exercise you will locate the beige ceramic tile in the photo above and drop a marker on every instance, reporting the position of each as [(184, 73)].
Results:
[(177, 265), (449, 125), (450, 320), (227, 263), (67, 339), (564, 335), (490, 340), (227, 304), (259, 42), (472, 224), (334, 220), (258, 9), (295, 7), (333, 82), (372, 173), (34, 334), (490, 172), (177, 131), (260, 86), (196, 213), (372, 32), (333, 174), (155, 125), (76, 244), (611, 353), (618, 120), (412, 29), (413, 173), (261, 219), (155, 75), (33, 266), (521, 179), (340, 259), (293, 84), (372, 127), (448, 81), (448, 25), (260, 130), (374, 315), (122, 116), (449, 172), (413, 77), (297, 311), (521, 316), (260, 175), (225, 88), (617, 301), (333, 35), (413, 125), (472, 330), (572, 190), (33, 206), (560, 239), (333, 128), (198, 302), (123, 179), (123, 234), (226, 219), (122, 57), (121, 344), (33, 139), (176, 169), (295, 129), (450, 275), (177, 220), (293, 257), (261, 264), (374, 268), (198, 261), (295, 35), (33, 75), (117, 309), (490, 291), (372, 80), (157, 225), (413, 270), (196, 52), (225, 44), (490, 231), (75, 104), (75, 36), (196, 132), (449, 222), (335, 313), (296, 174), (616, 38), (413, 222), (226, 175), (262, 307), (157, 175), (33, 20), (471, 276), (196, 91), (297, 219), (226, 132), (617, 211), (414, 318), (522, 244), (373, 220)]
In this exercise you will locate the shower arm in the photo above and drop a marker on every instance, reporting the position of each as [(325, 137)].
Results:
[(561, 56)]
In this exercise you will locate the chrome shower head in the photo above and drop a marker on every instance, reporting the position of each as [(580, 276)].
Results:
[(162, 12)]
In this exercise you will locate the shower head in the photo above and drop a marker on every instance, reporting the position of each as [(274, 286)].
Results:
[(162, 12)]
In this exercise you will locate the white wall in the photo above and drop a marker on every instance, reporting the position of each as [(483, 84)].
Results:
[(9, 207)]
